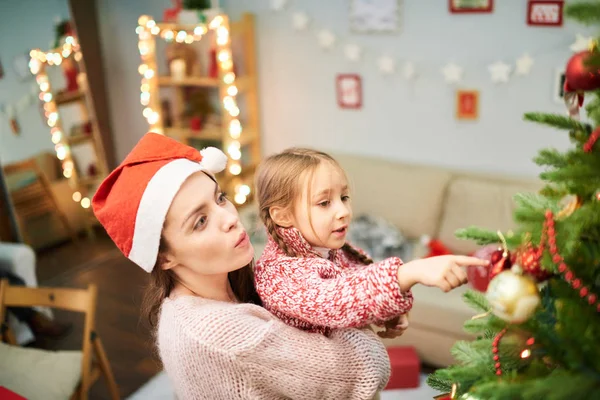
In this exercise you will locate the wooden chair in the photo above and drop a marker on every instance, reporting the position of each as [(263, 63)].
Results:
[(78, 300), (35, 198)]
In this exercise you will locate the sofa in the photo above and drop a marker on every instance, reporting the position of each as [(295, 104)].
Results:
[(424, 200), (47, 231)]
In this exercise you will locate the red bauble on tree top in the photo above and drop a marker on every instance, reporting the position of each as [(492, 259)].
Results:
[(579, 77)]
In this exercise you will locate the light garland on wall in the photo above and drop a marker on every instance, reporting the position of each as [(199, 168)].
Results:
[(37, 64), (147, 30)]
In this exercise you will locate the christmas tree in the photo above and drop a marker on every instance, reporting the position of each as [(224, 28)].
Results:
[(538, 331)]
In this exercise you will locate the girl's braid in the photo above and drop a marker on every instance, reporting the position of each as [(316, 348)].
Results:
[(272, 230)]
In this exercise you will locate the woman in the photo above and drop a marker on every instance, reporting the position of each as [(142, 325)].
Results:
[(164, 209)]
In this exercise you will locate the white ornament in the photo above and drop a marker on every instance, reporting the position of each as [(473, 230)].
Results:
[(409, 71), (500, 72), (278, 5), (387, 65), (213, 160), (452, 73), (300, 21), (582, 43), (524, 64), (326, 39), (353, 52)]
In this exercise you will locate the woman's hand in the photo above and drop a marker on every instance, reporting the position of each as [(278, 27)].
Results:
[(444, 272), (394, 327)]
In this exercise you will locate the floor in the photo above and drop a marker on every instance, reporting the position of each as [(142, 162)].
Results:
[(125, 336)]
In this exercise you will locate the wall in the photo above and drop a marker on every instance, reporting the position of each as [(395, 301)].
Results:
[(25, 25), (409, 121)]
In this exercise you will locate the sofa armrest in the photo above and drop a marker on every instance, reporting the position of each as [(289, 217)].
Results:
[(20, 260)]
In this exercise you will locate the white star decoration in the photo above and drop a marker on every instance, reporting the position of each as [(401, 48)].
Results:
[(500, 72), (353, 52), (278, 5), (409, 71), (387, 65), (326, 39), (524, 64), (300, 21), (582, 43), (452, 73)]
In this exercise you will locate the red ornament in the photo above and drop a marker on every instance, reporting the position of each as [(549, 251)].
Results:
[(579, 76), (529, 259), (500, 261), (589, 145)]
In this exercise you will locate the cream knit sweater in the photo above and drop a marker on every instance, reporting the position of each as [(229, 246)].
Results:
[(215, 350)]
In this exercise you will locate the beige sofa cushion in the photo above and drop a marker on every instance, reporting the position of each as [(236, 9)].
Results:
[(408, 196), (485, 203)]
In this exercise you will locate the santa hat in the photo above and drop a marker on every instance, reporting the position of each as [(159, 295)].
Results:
[(132, 202)]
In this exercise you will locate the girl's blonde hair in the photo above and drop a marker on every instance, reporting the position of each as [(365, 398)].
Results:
[(279, 183)]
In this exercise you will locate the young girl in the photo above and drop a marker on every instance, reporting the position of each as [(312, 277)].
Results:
[(309, 276)]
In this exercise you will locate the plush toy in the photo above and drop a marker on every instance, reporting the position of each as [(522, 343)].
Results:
[(434, 247)]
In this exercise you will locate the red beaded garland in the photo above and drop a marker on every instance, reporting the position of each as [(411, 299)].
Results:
[(495, 343)]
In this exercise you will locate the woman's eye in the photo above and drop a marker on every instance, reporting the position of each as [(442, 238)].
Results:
[(345, 198), (201, 222), (324, 203), (222, 198)]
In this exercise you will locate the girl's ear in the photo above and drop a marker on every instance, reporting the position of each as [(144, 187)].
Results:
[(282, 216), (167, 262)]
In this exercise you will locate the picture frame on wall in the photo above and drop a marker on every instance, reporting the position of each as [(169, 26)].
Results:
[(467, 105), (545, 13), (349, 91), (470, 6), (559, 86), (375, 16)]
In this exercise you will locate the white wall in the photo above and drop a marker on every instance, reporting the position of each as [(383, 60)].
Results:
[(399, 120), (25, 25)]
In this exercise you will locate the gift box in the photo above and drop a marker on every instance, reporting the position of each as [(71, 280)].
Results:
[(6, 394), (406, 368)]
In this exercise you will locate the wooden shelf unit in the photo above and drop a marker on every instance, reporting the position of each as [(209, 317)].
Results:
[(241, 45)]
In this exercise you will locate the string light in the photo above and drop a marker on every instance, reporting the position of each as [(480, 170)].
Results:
[(147, 30)]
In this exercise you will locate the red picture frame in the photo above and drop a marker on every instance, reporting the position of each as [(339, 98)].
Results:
[(467, 104), (349, 91), (545, 12), (455, 8)]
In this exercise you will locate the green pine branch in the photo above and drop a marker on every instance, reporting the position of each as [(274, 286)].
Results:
[(551, 157), (556, 121), (587, 13)]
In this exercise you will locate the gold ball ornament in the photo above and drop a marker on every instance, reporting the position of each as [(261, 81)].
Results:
[(513, 297)]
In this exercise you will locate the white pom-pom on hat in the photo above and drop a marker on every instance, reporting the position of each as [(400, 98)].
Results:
[(213, 160)]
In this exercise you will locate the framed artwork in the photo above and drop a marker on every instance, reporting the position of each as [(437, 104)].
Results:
[(471, 6), (375, 16), (349, 91), (559, 85), (467, 104), (545, 13)]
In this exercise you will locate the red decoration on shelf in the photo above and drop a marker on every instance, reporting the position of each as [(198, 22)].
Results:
[(171, 14), (592, 140), (213, 66), (92, 170), (195, 123), (495, 344), (545, 12), (70, 71)]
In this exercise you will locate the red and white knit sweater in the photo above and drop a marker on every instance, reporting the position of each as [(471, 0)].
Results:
[(317, 294)]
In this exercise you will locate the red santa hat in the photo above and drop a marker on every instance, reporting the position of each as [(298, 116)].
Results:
[(132, 202)]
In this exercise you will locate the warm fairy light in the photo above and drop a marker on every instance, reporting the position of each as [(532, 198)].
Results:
[(235, 169), (52, 118), (525, 353), (227, 65), (61, 152), (155, 30), (78, 56), (245, 190), (222, 36), (189, 39), (145, 98), (85, 202), (149, 74), (228, 102), (199, 30), (151, 24), (44, 86), (47, 97), (232, 90), (153, 118), (235, 128), (169, 36), (147, 112), (234, 111), (143, 20), (67, 173), (224, 55), (229, 78), (145, 87), (239, 198), (56, 137), (77, 197), (216, 22), (142, 69), (181, 35)]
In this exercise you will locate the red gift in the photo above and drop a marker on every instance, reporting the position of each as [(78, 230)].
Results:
[(406, 368), (6, 394)]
